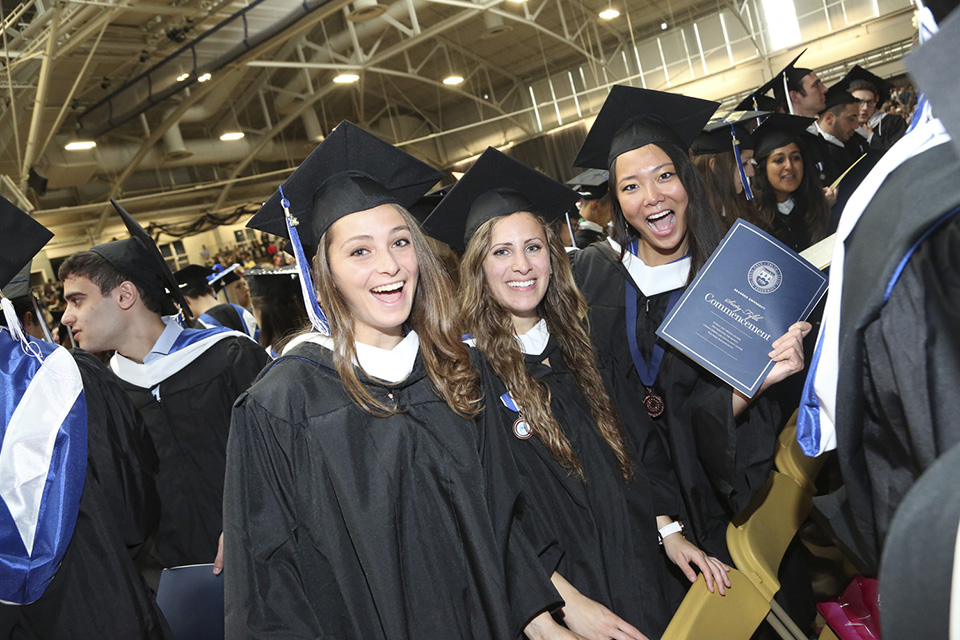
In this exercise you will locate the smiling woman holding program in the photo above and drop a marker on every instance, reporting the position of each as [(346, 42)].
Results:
[(721, 442), (360, 500)]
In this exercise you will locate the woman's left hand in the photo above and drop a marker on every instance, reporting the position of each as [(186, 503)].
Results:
[(831, 195), (787, 353), (686, 555)]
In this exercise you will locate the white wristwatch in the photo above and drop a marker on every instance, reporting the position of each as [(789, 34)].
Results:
[(670, 529)]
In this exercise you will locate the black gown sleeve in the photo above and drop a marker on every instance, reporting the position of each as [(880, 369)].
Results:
[(264, 593), (530, 549)]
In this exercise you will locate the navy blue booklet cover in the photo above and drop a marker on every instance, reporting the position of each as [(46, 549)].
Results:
[(748, 294), (191, 598)]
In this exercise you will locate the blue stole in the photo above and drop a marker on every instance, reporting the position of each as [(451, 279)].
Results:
[(45, 431)]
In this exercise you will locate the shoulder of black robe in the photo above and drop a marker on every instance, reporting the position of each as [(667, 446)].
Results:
[(226, 314), (97, 588), (888, 132), (919, 581), (913, 198), (359, 526), (189, 426), (719, 461), (849, 185)]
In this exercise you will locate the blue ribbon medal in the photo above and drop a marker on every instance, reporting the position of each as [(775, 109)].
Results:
[(521, 428)]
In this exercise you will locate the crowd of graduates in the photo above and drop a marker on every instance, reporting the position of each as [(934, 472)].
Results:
[(447, 414)]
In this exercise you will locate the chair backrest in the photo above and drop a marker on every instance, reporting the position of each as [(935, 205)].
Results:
[(734, 616), (792, 462), (759, 535)]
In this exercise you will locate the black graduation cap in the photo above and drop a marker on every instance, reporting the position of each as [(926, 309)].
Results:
[(759, 100), (139, 259), (778, 130), (793, 74), (837, 95), (282, 282), (422, 208), (23, 237), (631, 118), (350, 171), (19, 285), (496, 185), (591, 184), (193, 275), (717, 135), (880, 86), (223, 276), (932, 66)]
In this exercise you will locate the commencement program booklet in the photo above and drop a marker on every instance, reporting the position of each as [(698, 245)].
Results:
[(748, 294)]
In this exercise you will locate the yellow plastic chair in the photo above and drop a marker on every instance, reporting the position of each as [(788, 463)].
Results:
[(758, 537), (734, 616), (792, 462)]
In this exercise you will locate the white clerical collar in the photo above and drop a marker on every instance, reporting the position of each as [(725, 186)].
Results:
[(654, 280), (389, 365), (533, 342), (786, 206), (829, 137)]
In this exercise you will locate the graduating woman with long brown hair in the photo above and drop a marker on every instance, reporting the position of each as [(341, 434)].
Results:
[(519, 303), (367, 495)]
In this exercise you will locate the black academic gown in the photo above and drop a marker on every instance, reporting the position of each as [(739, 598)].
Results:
[(97, 591), (887, 132), (898, 407), (606, 526), (343, 525), (836, 159), (720, 461), (189, 426)]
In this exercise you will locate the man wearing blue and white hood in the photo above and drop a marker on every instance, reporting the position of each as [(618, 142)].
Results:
[(121, 296), (77, 496), (882, 387)]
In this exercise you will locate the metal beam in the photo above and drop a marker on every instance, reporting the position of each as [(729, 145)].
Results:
[(40, 100)]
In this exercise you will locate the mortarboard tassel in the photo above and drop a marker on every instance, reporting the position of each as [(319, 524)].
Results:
[(736, 154), (573, 239), (317, 317), (16, 329)]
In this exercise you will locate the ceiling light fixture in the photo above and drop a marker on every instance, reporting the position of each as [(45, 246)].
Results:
[(229, 136), (609, 13), (204, 77), (80, 145), (182, 77), (663, 26), (453, 80), (346, 78)]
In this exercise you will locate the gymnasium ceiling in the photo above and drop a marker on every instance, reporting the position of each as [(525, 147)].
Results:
[(127, 74)]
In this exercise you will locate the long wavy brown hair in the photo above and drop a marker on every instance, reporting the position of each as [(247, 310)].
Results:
[(445, 357), (565, 311)]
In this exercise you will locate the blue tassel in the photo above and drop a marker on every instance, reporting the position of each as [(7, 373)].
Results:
[(317, 318)]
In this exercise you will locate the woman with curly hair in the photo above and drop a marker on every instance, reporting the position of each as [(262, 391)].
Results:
[(367, 495), (521, 307)]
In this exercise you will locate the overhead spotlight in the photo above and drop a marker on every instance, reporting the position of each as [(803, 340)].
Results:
[(609, 14), (364, 10), (182, 77), (453, 80), (346, 78), (204, 77), (228, 136), (663, 26), (80, 145)]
